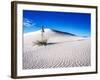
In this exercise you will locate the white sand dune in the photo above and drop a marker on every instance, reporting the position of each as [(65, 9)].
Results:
[(69, 51)]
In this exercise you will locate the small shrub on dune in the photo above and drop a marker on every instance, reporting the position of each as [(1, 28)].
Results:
[(41, 42)]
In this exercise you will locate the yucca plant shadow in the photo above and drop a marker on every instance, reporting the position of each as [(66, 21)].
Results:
[(45, 43)]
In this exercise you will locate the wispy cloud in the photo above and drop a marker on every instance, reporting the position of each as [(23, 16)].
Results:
[(28, 23)]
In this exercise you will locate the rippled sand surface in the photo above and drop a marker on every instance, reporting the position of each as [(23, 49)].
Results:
[(73, 52)]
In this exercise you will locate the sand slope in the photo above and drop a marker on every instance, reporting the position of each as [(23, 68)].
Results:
[(70, 51)]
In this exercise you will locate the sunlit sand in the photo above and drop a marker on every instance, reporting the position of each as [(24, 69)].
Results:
[(62, 50)]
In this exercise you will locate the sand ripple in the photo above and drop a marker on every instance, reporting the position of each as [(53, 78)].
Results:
[(68, 54)]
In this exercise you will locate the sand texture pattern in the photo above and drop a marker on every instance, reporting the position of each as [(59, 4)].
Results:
[(66, 50)]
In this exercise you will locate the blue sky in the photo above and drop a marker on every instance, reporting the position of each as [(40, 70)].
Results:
[(76, 23)]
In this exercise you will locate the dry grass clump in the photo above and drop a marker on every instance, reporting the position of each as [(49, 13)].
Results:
[(41, 42)]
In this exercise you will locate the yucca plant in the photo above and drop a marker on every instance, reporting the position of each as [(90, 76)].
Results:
[(43, 41), (40, 43)]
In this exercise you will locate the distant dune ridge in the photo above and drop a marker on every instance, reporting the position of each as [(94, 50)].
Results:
[(65, 50)]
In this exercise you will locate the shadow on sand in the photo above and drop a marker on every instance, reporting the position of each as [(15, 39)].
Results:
[(53, 43)]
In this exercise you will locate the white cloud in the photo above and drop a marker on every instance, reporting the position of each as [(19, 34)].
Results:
[(28, 23)]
